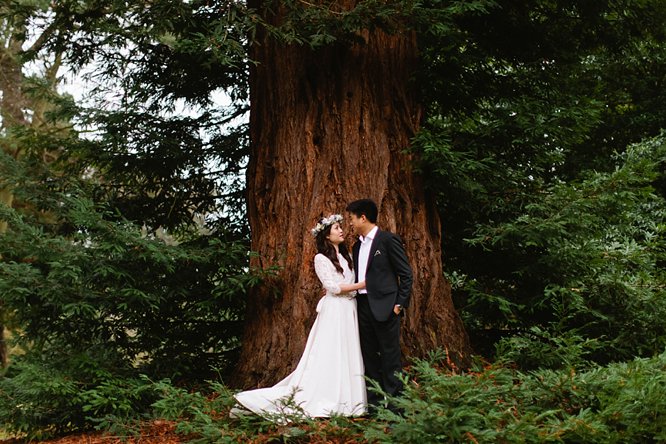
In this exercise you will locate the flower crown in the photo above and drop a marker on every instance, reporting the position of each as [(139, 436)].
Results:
[(325, 222)]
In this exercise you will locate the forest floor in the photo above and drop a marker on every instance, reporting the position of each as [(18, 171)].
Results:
[(164, 432), (156, 432)]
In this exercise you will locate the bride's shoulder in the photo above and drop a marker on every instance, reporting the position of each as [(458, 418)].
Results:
[(321, 259)]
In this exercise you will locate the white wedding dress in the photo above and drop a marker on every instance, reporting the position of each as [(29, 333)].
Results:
[(328, 379)]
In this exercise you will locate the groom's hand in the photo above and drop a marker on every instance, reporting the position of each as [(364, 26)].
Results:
[(397, 309)]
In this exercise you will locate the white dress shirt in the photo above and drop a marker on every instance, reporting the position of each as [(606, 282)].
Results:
[(364, 255)]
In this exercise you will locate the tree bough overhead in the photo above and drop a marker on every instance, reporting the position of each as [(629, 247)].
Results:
[(329, 125)]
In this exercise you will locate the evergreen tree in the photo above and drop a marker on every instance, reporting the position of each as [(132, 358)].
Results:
[(129, 227), (533, 100)]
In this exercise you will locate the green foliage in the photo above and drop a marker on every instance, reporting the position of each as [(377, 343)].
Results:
[(173, 169), (527, 108), (128, 247), (619, 403), (46, 394), (198, 414), (109, 284), (589, 263), (96, 301), (77, 261), (491, 403), (128, 254), (547, 348), (208, 417), (37, 402)]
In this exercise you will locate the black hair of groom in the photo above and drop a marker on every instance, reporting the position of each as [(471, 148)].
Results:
[(365, 207)]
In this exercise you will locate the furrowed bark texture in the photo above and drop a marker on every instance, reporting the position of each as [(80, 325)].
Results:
[(328, 127)]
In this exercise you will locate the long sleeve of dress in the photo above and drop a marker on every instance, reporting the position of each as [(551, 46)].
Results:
[(327, 274)]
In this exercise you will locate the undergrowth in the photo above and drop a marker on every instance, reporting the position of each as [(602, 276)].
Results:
[(618, 403)]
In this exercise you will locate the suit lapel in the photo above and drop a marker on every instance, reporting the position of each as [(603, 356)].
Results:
[(374, 247), (355, 250)]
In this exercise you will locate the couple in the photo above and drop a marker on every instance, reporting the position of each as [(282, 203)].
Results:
[(357, 329)]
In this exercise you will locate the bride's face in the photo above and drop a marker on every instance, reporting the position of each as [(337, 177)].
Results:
[(336, 236)]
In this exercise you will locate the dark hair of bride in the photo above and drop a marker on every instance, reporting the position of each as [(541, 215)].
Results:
[(325, 247)]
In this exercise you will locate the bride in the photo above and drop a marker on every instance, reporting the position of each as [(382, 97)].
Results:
[(328, 379)]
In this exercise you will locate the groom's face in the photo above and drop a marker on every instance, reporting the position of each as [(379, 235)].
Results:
[(356, 222)]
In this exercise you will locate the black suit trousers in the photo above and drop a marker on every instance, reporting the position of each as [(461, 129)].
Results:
[(380, 347)]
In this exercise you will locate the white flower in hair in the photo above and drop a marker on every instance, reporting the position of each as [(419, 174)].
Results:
[(325, 222)]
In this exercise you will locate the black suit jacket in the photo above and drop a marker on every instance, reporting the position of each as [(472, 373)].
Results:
[(388, 278)]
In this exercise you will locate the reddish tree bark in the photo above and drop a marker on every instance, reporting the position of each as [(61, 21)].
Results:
[(327, 127)]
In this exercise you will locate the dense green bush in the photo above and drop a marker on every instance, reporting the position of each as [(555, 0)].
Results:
[(204, 417), (584, 275), (51, 393), (107, 284), (96, 301), (550, 231), (619, 403)]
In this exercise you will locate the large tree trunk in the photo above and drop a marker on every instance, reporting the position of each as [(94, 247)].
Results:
[(328, 127)]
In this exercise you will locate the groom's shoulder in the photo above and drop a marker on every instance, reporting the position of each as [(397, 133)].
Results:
[(390, 237), (383, 234)]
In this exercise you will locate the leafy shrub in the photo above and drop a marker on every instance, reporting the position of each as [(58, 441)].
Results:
[(95, 301), (204, 417), (620, 403), (623, 402), (584, 268), (74, 273), (41, 395)]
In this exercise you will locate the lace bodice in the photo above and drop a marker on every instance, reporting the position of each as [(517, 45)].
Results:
[(330, 277)]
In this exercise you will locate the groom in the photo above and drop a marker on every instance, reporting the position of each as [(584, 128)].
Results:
[(380, 261)]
